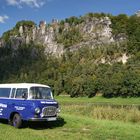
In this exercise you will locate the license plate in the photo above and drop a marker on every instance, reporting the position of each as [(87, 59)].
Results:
[(52, 119)]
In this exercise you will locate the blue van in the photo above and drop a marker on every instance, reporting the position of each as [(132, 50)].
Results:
[(27, 102)]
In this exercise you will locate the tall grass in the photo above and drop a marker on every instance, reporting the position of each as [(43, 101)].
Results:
[(121, 113)]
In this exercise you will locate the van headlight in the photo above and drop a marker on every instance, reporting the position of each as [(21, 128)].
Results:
[(58, 110), (37, 110)]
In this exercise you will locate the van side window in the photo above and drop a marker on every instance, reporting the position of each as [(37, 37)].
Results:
[(13, 93), (20, 91), (5, 92)]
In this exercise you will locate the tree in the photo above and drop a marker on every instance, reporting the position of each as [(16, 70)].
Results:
[(133, 32), (119, 23)]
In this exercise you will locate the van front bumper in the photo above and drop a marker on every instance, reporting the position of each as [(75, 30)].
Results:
[(43, 119)]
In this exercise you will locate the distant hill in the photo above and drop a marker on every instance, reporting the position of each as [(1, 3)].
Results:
[(80, 56)]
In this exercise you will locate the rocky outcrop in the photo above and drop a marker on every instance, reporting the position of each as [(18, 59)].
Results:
[(98, 29), (94, 31), (138, 13), (123, 58)]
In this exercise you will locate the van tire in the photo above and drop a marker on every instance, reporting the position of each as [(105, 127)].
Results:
[(17, 121)]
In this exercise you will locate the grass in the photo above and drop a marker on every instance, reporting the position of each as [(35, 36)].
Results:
[(125, 114), (98, 100), (78, 122), (75, 127)]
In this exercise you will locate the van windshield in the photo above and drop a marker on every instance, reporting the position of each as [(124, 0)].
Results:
[(40, 93)]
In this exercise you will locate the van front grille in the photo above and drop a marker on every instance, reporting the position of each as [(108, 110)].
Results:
[(49, 111)]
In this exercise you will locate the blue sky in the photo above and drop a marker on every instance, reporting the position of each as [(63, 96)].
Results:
[(12, 11)]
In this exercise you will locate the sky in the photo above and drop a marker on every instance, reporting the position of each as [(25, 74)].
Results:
[(12, 11)]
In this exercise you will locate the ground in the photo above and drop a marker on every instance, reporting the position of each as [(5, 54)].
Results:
[(76, 123)]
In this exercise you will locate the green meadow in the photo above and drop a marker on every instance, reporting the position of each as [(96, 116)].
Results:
[(84, 119)]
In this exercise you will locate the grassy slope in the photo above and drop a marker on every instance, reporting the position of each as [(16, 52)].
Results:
[(75, 127)]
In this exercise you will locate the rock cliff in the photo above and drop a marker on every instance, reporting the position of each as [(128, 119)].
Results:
[(58, 36)]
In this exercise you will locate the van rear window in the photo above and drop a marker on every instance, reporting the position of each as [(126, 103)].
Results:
[(5, 92)]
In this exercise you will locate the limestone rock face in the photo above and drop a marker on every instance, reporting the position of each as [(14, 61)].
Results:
[(2, 44), (21, 30), (138, 13), (123, 59), (94, 31), (98, 30)]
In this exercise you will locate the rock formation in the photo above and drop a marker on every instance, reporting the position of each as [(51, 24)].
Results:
[(94, 32)]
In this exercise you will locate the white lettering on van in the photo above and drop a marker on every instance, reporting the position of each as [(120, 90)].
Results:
[(19, 108), (3, 105), (1, 109), (45, 102)]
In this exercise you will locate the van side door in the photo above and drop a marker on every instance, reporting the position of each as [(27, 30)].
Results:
[(11, 102), (21, 104)]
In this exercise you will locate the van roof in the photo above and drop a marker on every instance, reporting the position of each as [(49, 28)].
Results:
[(21, 85)]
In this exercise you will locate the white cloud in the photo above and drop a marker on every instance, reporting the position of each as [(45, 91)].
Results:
[(30, 3), (12, 2), (3, 18)]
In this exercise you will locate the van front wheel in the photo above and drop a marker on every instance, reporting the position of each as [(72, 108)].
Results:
[(17, 121)]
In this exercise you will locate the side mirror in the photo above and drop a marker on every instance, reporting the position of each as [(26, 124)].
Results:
[(24, 95)]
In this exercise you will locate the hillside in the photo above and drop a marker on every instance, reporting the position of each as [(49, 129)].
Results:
[(80, 56), (75, 32)]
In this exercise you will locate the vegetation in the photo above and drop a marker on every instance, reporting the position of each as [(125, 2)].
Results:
[(99, 100), (105, 112), (77, 120), (15, 31), (82, 72), (82, 128), (69, 37), (119, 23), (75, 73), (25, 23)]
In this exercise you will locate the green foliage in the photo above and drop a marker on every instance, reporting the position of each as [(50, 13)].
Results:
[(113, 102), (90, 86), (16, 62), (70, 37), (97, 15), (119, 23), (133, 32), (15, 31), (75, 73), (81, 72), (25, 23), (6, 35), (74, 20)]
